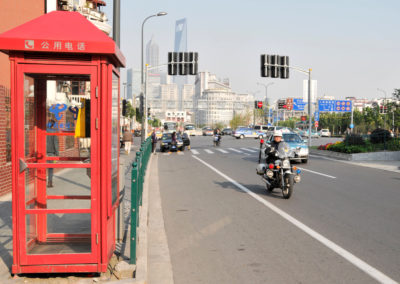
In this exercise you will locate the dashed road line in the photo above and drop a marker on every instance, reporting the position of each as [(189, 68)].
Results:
[(235, 150), (222, 150), (209, 151), (248, 150), (194, 152), (317, 173)]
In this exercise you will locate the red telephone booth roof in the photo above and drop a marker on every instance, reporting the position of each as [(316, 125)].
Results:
[(60, 32)]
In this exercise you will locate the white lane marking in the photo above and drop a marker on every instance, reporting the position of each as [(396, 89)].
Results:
[(248, 150), (234, 150), (181, 153), (371, 271), (222, 150), (209, 151), (166, 154), (317, 173), (255, 148), (194, 152)]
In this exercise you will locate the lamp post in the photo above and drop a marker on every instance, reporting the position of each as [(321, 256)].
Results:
[(144, 118), (266, 95)]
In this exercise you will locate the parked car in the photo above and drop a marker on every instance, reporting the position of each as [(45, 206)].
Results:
[(241, 133), (226, 131), (207, 131), (166, 141), (325, 133), (295, 142)]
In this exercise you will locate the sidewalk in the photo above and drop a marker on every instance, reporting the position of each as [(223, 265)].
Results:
[(78, 182)]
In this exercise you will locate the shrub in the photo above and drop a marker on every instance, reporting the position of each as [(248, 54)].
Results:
[(354, 139), (380, 135)]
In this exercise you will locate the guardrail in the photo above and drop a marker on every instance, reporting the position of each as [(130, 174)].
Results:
[(138, 173)]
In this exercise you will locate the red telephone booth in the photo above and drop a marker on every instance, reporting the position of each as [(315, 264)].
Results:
[(65, 143)]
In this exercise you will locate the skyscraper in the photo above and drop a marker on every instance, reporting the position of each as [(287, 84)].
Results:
[(180, 46), (152, 53), (180, 35)]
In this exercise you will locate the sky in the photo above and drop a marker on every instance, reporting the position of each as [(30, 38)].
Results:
[(352, 47)]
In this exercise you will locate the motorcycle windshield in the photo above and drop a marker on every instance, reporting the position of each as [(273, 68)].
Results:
[(284, 151)]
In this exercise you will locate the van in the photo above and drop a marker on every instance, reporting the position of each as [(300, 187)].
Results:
[(262, 128)]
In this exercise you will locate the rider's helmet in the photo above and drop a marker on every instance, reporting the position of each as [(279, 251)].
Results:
[(277, 133)]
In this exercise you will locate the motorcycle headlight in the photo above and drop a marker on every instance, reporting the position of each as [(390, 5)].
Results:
[(286, 164), (270, 173)]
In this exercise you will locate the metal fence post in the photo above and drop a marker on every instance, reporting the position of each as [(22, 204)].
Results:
[(134, 212)]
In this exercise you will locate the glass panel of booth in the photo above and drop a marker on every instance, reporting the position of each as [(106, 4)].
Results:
[(57, 126), (114, 138)]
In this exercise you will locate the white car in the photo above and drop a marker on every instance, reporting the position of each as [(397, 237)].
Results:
[(325, 133)]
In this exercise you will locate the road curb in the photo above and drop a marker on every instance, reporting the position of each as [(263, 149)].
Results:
[(159, 260), (142, 235), (373, 156)]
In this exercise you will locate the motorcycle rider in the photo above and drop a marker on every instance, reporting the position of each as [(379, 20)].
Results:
[(274, 146), (217, 134)]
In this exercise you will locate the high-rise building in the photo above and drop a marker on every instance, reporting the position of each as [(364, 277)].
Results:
[(152, 53), (180, 35), (181, 46)]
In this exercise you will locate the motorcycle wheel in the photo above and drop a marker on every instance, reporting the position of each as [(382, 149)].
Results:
[(288, 187), (304, 161)]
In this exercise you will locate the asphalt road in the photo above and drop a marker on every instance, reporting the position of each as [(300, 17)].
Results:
[(345, 229)]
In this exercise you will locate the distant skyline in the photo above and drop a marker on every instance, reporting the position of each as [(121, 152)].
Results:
[(352, 46)]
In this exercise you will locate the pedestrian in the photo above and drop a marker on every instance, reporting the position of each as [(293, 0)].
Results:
[(127, 139), (51, 149), (153, 142)]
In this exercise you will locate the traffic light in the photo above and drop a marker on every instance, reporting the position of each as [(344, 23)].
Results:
[(281, 104), (284, 61), (123, 107), (172, 63), (182, 58), (265, 67), (258, 104), (193, 65), (274, 68), (182, 63)]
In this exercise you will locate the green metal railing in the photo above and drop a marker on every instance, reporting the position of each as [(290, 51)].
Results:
[(138, 173)]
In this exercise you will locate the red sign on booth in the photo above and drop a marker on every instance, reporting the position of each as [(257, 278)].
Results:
[(316, 124)]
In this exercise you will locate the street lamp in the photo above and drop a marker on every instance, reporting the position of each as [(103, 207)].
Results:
[(144, 118), (266, 95)]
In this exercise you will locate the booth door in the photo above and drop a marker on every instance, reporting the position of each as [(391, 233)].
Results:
[(58, 169)]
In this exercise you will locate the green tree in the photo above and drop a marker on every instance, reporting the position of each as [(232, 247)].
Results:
[(130, 111), (396, 94)]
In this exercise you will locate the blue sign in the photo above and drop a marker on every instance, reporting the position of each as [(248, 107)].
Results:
[(316, 116), (343, 106), (335, 105), (298, 104), (351, 126)]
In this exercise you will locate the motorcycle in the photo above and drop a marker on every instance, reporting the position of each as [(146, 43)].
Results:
[(217, 140), (280, 173), (174, 146)]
